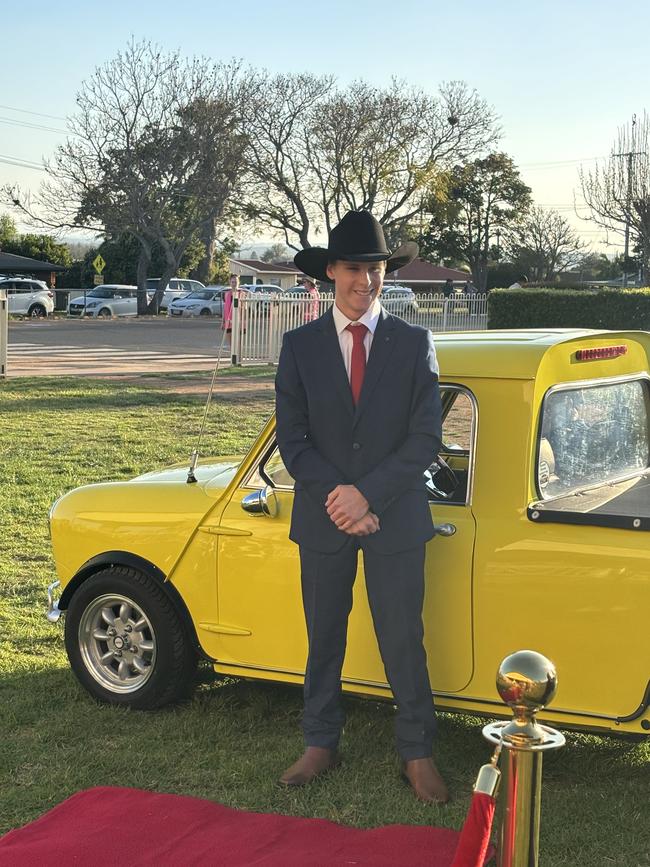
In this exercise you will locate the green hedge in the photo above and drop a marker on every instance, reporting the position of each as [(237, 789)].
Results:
[(569, 308)]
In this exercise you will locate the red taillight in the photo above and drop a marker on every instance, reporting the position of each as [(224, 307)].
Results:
[(51, 294), (601, 352)]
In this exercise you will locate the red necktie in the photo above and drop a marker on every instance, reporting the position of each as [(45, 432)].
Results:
[(358, 361)]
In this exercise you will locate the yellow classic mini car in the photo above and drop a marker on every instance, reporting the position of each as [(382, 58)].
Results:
[(541, 501)]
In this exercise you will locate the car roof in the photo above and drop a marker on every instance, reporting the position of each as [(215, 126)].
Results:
[(515, 354), (114, 286), (30, 279)]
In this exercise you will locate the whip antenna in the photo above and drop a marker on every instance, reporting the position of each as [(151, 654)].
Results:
[(194, 458)]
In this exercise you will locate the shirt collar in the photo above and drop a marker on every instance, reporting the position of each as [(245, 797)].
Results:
[(370, 318)]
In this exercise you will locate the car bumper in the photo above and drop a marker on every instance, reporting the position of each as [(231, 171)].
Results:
[(53, 610)]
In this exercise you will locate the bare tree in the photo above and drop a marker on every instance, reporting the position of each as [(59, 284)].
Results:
[(317, 152), (155, 150), (618, 192), (544, 243)]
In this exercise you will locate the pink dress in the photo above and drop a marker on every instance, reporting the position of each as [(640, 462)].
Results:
[(227, 310), (312, 307)]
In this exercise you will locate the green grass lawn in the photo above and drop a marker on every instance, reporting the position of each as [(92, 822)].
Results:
[(231, 742)]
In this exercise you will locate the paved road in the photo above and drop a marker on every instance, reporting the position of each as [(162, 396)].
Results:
[(92, 346)]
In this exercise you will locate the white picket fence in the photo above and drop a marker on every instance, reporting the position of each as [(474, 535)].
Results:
[(259, 321)]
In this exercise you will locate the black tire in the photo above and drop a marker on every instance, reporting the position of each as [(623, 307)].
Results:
[(206, 312), (37, 311), (114, 668), (105, 313)]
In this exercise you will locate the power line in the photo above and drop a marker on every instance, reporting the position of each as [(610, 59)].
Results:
[(27, 125), (552, 163), (21, 164), (37, 113)]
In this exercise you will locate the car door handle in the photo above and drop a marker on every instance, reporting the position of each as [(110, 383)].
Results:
[(445, 529)]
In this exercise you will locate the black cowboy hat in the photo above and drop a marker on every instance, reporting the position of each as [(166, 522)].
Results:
[(359, 237)]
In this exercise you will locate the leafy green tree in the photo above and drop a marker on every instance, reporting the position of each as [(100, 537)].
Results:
[(41, 247), (475, 200), (8, 231)]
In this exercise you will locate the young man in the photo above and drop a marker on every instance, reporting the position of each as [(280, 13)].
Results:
[(358, 423)]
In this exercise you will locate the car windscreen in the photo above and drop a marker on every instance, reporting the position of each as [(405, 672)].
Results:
[(201, 295), (101, 292), (593, 434)]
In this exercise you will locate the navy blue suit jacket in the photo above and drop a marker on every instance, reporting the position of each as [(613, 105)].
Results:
[(382, 446)]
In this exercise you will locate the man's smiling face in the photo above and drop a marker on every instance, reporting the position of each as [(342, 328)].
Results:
[(357, 284)]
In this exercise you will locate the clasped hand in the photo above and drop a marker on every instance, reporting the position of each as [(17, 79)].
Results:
[(350, 511)]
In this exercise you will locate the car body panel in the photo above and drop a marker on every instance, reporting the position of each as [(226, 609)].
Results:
[(117, 299), (500, 583), (23, 294)]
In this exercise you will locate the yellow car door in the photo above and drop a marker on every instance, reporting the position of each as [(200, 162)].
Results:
[(258, 573)]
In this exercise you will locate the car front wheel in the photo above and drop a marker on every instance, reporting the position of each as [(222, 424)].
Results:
[(37, 311), (105, 313), (126, 642)]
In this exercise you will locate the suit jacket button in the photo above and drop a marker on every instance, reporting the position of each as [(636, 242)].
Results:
[(356, 446)]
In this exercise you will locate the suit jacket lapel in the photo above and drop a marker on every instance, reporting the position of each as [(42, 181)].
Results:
[(383, 343), (333, 364)]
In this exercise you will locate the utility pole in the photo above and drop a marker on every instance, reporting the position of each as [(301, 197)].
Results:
[(630, 156)]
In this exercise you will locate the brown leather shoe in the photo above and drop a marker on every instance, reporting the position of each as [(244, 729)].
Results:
[(425, 780), (314, 762)]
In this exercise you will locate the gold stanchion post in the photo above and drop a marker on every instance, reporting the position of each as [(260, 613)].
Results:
[(527, 682)]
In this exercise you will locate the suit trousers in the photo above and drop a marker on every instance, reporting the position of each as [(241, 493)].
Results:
[(395, 587)]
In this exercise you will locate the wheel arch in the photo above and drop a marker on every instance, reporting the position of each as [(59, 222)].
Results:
[(133, 561)]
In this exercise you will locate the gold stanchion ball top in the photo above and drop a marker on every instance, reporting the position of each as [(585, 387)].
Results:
[(527, 679)]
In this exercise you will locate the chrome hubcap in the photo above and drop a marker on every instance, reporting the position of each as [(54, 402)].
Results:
[(117, 643)]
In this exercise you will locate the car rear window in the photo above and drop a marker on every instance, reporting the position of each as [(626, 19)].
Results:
[(592, 435)]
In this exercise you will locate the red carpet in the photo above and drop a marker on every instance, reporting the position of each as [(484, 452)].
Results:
[(115, 827)]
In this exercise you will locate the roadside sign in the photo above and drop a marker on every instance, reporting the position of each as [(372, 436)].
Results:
[(99, 263), (98, 279)]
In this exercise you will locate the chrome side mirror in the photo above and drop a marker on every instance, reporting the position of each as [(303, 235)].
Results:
[(262, 502)]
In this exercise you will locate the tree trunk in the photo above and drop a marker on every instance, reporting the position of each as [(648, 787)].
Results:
[(172, 262), (209, 239), (144, 260)]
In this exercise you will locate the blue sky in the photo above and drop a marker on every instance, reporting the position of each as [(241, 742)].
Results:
[(562, 76)]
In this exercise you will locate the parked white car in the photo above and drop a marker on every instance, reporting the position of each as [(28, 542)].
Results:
[(178, 287), (399, 300), (28, 297), (203, 302), (106, 301)]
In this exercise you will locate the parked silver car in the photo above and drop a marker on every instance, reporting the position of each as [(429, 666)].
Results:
[(178, 287), (28, 297), (202, 302), (106, 301)]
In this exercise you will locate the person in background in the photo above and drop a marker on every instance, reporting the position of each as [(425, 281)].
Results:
[(312, 307), (448, 288), (520, 282), (469, 288), (227, 303)]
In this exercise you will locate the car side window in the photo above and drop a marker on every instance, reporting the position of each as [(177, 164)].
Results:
[(458, 434)]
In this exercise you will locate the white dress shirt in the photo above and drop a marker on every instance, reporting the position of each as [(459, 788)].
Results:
[(370, 319)]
